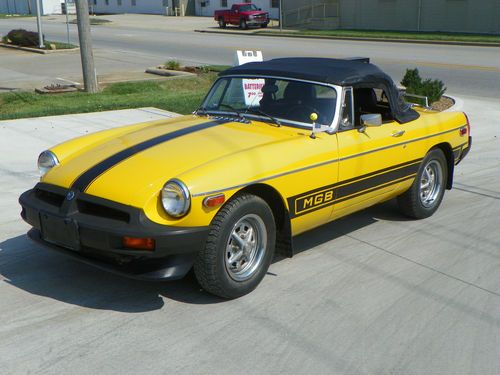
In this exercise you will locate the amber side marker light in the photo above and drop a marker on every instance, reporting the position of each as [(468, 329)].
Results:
[(214, 200), (138, 243)]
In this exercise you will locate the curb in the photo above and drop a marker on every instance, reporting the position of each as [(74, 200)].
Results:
[(36, 50), (457, 106), (169, 73), (389, 40)]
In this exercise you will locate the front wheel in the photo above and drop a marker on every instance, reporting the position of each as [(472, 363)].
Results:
[(264, 25), (424, 196), (239, 248), (243, 24)]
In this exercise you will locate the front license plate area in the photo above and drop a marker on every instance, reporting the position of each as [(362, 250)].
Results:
[(60, 231)]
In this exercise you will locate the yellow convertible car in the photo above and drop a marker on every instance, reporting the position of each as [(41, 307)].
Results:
[(275, 149)]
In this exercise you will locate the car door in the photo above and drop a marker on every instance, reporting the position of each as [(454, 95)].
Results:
[(373, 160), (234, 15)]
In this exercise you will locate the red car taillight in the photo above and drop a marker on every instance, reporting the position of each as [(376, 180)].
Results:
[(466, 129)]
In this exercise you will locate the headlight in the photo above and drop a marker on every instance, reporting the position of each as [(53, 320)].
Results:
[(175, 198), (46, 161)]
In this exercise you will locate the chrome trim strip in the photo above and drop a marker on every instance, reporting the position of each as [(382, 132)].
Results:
[(398, 144), (322, 163)]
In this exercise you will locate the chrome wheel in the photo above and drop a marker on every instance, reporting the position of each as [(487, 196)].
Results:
[(431, 181), (246, 247)]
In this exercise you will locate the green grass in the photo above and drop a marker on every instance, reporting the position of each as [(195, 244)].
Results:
[(428, 36), (13, 16), (177, 95), (58, 45)]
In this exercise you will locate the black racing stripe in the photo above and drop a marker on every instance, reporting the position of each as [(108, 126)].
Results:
[(377, 180), (325, 196), (86, 178)]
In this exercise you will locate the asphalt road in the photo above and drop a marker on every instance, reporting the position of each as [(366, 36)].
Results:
[(138, 41), (373, 293)]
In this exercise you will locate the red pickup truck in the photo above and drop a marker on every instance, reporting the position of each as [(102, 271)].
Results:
[(243, 15)]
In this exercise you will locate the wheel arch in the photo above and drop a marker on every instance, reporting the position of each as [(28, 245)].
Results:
[(450, 161), (284, 243)]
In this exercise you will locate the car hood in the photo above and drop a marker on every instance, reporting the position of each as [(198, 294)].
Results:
[(134, 166)]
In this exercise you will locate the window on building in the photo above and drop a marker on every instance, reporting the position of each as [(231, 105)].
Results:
[(119, 2), (164, 3), (275, 3), (133, 2), (95, 2), (248, 1), (223, 3), (106, 2)]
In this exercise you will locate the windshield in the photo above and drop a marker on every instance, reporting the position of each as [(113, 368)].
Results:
[(247, 8), (286, 100)]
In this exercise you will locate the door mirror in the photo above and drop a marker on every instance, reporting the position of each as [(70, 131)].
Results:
[(371, 119)]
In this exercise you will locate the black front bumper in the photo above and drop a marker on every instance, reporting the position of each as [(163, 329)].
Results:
[(91, 229)]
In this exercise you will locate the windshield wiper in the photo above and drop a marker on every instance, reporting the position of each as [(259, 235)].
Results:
[(261, 112)]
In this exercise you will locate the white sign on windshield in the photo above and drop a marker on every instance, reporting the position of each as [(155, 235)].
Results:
[(251, 87)]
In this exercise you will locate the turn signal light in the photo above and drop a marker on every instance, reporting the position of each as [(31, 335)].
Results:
[(214, 201), (138, 243)]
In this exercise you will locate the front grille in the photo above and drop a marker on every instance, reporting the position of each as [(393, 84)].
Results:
[(94, 209), (50, 197)]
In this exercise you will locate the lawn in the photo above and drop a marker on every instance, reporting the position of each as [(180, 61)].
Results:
[(12, 16), (411, 35), (177, 95)]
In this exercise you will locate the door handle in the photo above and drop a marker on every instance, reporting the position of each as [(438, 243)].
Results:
[(398, 133)]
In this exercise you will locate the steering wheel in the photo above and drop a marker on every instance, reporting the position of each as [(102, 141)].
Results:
[(301, 112)]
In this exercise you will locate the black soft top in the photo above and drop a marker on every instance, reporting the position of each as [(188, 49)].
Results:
[(358, 73)]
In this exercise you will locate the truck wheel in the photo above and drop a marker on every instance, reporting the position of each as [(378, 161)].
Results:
[(239, 248), (243, 24), (222, 23), (424, 196), (264, 25)]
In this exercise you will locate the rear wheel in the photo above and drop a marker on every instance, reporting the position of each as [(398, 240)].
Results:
[(264, 25), (239, 248), (243, 24), (222, 23), (424, 196)]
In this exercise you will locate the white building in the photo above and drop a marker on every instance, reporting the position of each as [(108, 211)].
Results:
[(177, 7), (207, 7), (28, 6)]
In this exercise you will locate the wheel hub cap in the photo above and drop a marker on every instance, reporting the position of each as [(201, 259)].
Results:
[(246, 247)]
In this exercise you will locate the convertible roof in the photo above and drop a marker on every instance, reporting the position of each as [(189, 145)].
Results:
[(335, 71), (355, 72)]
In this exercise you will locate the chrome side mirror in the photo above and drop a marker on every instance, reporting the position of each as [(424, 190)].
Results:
[(370, 119)]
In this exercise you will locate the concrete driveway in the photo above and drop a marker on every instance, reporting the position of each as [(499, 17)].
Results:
[(373, 293)]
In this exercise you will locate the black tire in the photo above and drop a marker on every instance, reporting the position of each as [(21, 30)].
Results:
[(243, 24), (222, 23), (418, 202), (213, 267), (264, 25)]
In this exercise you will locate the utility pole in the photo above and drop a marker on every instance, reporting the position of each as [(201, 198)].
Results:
[(39, 24), (88, 68)]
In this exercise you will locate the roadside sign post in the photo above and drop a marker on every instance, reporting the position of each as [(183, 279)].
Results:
[(39, 24), (281, 15), (67, 21)]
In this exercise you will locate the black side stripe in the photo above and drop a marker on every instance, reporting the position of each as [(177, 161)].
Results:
[(86, 178), (325, 196)]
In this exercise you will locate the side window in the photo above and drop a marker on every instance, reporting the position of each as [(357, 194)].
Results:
[(371, 100), (347, 117)]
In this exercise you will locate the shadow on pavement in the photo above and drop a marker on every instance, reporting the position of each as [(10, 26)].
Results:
[(38, 271)]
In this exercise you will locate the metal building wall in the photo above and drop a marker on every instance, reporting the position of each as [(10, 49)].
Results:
[(475, 16)]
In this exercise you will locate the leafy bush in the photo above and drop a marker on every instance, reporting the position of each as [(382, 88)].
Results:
[(432, 88), (23, 38), (172, 65)]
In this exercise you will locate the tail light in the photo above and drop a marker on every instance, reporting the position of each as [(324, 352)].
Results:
[(466, 129)]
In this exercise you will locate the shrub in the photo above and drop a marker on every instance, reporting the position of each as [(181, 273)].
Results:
[(23, 38), (172, 65), (432, 88)]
